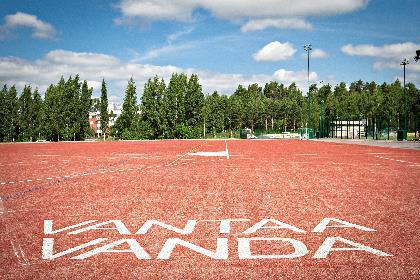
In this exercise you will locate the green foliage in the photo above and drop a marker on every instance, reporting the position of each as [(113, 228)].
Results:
[(26, 115), (3, 113), (11, 117), (151, 108), (104, 109), (174, 104), (180, 109), (129, 108)]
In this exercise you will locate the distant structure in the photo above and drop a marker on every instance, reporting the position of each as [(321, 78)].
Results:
[(114, 110)]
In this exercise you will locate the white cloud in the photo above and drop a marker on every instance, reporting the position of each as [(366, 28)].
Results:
[(386, 56), (393, 51), (41, 29), (175, 36), (318, 53), (93, 67), (315, 54), (381, 65), (295, 77), (261, 14), (179, 10), (166, 49), (281, 23), (275, 51), (182, 10)]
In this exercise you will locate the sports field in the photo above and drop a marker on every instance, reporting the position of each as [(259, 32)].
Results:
[(201, 209)]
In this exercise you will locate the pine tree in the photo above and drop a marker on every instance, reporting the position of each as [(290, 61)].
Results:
[(3, 93), (11, 114), (71, 110), (84, 107), (52, 117), (37, 114), (104, 110), (125, 123), (174, 104), (151, 108), (194, 100), (25, 114)]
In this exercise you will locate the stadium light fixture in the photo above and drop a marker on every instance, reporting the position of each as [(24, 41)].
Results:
[(404, 63), (417, 57), (308, 49)]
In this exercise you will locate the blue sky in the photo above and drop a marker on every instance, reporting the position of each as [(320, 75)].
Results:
[(226, 42)]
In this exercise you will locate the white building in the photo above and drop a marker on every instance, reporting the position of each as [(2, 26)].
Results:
[(114, 111)]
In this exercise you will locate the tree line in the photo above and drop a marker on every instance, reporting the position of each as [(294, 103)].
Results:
[(63, 114), (180, 109)]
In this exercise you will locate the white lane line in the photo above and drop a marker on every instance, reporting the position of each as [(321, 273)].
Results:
[(184, 155), (19, 254), (3, 183), (227, 151), (2, 209)]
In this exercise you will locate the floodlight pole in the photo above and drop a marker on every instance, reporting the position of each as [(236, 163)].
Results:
[(404, 63), (308, 49)]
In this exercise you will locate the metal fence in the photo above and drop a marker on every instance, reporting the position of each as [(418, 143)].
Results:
[(368, 128)]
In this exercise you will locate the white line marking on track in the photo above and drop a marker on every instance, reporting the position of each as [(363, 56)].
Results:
[(227, 151), (19, 254), (2, 209), (188, 153)]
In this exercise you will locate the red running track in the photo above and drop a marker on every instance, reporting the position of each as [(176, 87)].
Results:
[(281, 193)]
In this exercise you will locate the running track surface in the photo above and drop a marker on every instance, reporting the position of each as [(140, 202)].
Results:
[(297, 182)]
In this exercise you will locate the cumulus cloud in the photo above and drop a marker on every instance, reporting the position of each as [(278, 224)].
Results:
[(94, 66), (179, 10), (237, 9), (41, 29), (280, 23), (387, 56), (395, 51), (316, 54), (275, 51), (381, 65), (295, 77), (262, 14)]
